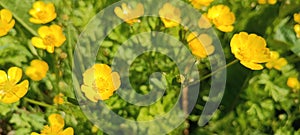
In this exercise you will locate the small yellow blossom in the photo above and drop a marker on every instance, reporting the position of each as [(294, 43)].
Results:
[(170, 15), (221, 17), (128, 14), (58, 99), (95, 129), (56, 126), (200, 46), (42, 13), (198, 4), (275, 61), (293, 83), (250, 49), (37, 70), (272, 2), (99, 82), (49, 37), (6, 22), (204, 22), (297, 30), (297, 17), (10, 91)]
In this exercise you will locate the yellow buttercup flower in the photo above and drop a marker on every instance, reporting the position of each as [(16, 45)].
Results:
[(56, 126), (250, 49), (170, 15), (221, 17), (128, 14), (297, 17), (10, 91), (297, 30), (95, 129), (58, 99), (37, 70), (6, 22), (272, 2), (198, 4), (42, 13), (99, 82), (293, 83), (200, 46), (49, 37), (275, 61)]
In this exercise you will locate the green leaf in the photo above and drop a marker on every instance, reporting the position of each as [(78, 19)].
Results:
[(12, 51)]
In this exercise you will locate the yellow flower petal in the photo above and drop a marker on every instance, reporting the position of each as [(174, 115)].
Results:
[(14, 74), (293, 82), (252, 66), (297, 30), (204, 22), (225, 28), (88, 77), (9, 98), (58, 33), (90, 93), (128, 14), (38, 42), (50, 49), (68, 131), (102, 70), (56, 120), (34, 133), (6, 15), (21, 89), (3, 76), (170, 15), (44, 31), (116, 80), (297, 18)]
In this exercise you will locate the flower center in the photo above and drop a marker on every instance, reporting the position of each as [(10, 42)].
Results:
[(49, 40), (6, 87), (42, 15), (52, 130)]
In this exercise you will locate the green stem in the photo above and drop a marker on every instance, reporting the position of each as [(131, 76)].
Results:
[(214, 72), (38, 103)]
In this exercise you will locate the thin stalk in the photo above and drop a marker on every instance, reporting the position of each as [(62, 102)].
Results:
[(214, 72), (37, 103)]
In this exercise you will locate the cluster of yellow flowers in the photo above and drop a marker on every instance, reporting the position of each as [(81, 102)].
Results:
[(297, 26), (219, 15), (272, 2), (49, 36)]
